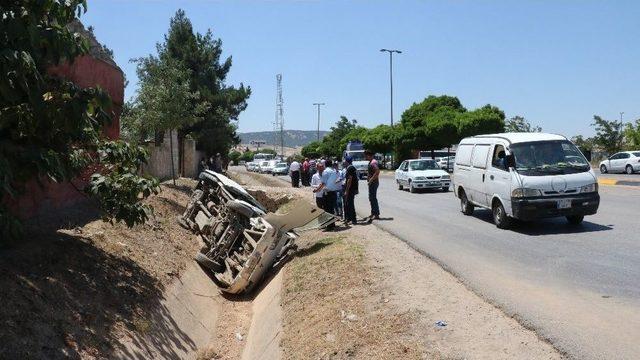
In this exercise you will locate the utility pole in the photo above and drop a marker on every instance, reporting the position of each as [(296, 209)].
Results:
[(279, 124), (318, 105), (391, 51)]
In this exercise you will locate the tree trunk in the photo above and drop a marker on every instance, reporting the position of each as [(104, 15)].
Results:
[(173, 170)]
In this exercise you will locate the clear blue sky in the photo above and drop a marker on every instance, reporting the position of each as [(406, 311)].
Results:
[(556, 63)]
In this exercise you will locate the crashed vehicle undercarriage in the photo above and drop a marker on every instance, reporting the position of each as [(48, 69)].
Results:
[(241, 240)]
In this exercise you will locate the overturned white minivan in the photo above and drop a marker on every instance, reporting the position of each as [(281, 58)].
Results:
[(525, 176)]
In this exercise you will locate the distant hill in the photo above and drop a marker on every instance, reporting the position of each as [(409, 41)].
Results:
[(292, 138)]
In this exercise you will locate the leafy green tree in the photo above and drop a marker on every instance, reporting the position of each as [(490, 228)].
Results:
[(234, 156), (609, 134), (582, 143), (520, 124), (431, 124), (247, 156), (632, 135), (358, 133), (201, 55), (311, 150), (50, 128), (380, 139), (330, 145), (485, 120)]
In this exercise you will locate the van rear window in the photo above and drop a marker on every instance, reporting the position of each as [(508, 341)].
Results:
[(480, 153), (463, 154)]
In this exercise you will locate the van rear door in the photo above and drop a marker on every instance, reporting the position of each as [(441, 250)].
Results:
[(477, 174)]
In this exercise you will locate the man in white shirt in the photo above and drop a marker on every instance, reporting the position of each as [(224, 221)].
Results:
[(316, 181), (294, 172)]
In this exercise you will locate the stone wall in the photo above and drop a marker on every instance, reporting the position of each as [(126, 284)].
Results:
[(159, 163)]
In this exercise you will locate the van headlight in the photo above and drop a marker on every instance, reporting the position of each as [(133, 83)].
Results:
[(525, 192), (589, 188)]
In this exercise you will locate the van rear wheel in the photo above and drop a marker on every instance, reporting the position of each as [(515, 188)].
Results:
[(465, 206), (500, 217)]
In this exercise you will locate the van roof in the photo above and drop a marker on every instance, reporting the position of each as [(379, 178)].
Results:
[(516, 137)]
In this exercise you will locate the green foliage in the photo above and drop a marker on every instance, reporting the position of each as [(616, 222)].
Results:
[(247, 156), (201, 56), (380, 139), (311, 150), (632, 135), (582, 143), (49, 127), (330, 145), (234, 156), (609, 134), (520, 124), (485, 120), (117, 186)]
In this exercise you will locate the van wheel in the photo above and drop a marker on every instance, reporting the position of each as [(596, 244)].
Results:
[(445, 189), (629, 169), (399, 185), (575, 219), (603, 169), (465, 206), (500, 217)]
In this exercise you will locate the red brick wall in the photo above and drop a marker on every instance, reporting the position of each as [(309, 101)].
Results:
[(85, 71)]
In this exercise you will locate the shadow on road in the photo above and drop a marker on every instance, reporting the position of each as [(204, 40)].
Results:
[(545, 226)]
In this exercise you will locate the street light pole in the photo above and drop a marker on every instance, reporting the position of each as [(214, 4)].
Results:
[(318, 105), (391, 51)]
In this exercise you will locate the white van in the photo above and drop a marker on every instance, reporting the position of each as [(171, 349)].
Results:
[(525, 176)]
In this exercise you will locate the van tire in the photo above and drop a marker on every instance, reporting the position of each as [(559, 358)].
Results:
[(445, 189), (603, 169), (575, 219), (465, 206), (629, 170), (500, 217)]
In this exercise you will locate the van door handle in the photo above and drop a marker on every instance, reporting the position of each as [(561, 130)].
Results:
[(482, 177), (491, 177)]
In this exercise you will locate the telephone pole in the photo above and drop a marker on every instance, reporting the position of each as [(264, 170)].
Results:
[(318, 105), (391, 51), (279, 123)]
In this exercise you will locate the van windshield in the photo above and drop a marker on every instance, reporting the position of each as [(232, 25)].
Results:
[(555, 157), (356, 155)]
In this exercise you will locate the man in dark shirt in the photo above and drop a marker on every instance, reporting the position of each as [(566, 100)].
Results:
[(373, 182), (350, 192)]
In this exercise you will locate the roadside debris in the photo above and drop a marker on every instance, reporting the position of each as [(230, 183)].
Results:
[(441, 323), (241, 239)]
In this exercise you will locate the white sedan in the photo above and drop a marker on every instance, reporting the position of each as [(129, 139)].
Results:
[(422, 174), (622, 162)]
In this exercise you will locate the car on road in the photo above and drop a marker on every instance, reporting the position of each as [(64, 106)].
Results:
[(622, 162), (418, 174), (280, 168), (524, 176), (263, 166), (250, 166), (446, 162)]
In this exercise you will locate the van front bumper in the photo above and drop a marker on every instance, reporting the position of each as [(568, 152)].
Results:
[(546, 207)]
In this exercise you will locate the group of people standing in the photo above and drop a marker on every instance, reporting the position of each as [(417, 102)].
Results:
[(335, 188), (213, 164)]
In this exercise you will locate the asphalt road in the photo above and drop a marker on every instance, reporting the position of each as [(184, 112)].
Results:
[(578, 287)]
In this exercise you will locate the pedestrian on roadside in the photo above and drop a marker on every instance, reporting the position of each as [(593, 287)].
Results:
[(217, 164), (330, 186), (202, 166), (350, 191), (210, 163), (340, 183), (373, 172), (294, 172), (316, 181), (305, 172)]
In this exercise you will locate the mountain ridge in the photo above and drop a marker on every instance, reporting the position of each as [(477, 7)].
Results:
[(292, 138)]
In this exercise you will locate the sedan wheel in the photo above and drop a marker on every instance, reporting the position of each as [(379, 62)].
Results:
[(603, 169), (629, 169), (411, 188)]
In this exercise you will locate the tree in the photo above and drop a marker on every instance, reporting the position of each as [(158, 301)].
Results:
[(330, 145), (609, 134), (582, 143), (431, 124), (247, 156), (380, 139), (520, 124), (311, 150), (234, 156), (485, 120), (50, 128), (201, 56), (632, 135)]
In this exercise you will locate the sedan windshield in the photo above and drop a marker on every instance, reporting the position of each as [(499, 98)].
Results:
[(423, 165), (636, 154), (548, 158)]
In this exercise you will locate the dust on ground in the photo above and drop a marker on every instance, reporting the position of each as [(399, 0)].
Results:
[(72, 293), (362, 293)]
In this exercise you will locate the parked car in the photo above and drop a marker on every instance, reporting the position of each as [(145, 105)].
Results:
[(241, 240), (622, 162), (525, 176), (250, 166), (262, 167), (281, 168), (446, 162), (421, 174)]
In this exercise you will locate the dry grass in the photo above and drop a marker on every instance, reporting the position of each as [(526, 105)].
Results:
[(331, 311)]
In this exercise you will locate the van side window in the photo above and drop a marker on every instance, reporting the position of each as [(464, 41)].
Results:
[(404, 165), (463, 155), (498, 158), (479, 157)]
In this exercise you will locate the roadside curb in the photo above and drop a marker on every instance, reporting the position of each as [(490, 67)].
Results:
[(613, 182)]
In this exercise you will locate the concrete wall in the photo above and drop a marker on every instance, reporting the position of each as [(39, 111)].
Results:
[(159, 164)]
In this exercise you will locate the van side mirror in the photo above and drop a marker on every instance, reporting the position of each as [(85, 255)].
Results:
[(510, 161)]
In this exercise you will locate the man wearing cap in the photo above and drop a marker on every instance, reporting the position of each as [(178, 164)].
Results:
[(330, 185), (350, 192)]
